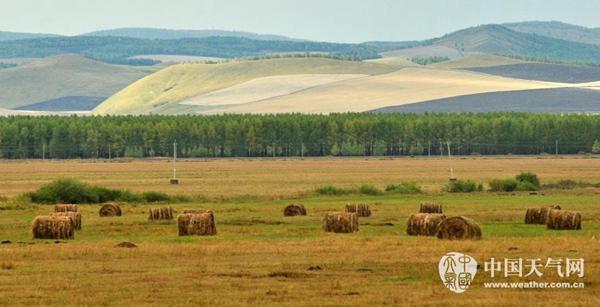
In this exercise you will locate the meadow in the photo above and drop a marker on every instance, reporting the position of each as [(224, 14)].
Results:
[(260, 257)]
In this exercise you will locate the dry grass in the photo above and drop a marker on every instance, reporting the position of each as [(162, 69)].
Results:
[(265, 88), (408, 85), (270, 263), (270, 179)]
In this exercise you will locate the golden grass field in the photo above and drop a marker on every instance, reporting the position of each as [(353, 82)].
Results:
[(259, 257), (405, 86)]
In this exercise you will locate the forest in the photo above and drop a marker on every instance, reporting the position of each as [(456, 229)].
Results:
[(350, 134), (118, 50)]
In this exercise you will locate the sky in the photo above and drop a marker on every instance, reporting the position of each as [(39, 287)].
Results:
[(323, 20)]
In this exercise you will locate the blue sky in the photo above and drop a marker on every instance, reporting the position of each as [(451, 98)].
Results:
[(327, 20)]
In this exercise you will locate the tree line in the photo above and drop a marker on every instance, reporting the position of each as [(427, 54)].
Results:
[(297, 135)]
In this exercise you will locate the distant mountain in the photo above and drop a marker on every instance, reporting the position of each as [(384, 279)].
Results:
[(8, 36), (54, 81), (151, 33), (557, 29), (118, 50), (497, 39)]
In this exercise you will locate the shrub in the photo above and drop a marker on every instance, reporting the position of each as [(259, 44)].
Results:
[(529, 177), (332, 190), (71, 191), (526, 186), (369, 190), (568, 184), (65, 190), (503, 185), (154, 197), (462, 186), (404, 188)]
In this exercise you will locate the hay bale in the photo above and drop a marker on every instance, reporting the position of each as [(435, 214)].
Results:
[(424, 224), (294, 210), (110, 209), (165, 213), (563, 220), (65, 208), (343, 222), (52, 227), (195, 211), (197, 224), (75, 218), (362, 210), (430, 208), (538, 215), (458, 228)]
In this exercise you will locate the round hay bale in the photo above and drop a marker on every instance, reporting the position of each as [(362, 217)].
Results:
[(195, 211), (165, 213), (52, 227), (424, 224), (362, 210), (343, 222), (533, 216), (430, 208), (197, 224), (294, 210), (74, 216), (65, 208), (110, 209), (538, 215), (458, 228), (563, 220)]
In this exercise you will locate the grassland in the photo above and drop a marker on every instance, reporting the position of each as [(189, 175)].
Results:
[(260, 257), (179, 82), (407, 85), (61, 76)]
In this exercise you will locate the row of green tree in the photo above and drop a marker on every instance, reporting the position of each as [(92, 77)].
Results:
[(298, 135)]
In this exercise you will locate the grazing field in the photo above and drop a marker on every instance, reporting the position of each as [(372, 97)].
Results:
[(544, 72), (407, 85), (555, 100), (476, 60), (260, 257), (179, 82), (284, 178), (265, 88), (62, 76)]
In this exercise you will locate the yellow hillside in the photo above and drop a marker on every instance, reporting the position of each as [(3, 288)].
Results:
[(477, 60), (180, 82), (405, 86)]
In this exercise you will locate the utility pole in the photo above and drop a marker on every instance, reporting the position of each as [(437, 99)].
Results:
[(556, 148), (452, 178), (109, 153), (302, 151), (429, 149), (44, 152), (174, 180)]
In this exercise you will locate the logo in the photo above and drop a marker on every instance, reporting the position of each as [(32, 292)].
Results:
[(457, 271)]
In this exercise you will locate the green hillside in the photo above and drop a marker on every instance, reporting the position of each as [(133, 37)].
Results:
[(63, 76), (7, 36), (176, 83), (118, 50), (496, 39), (558, 30)]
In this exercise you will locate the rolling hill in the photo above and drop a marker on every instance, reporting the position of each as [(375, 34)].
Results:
[(54, 78), (555, 100), (151, 33), (557, 29), (309, 85), (9, 36), (160, 91), (119, 50)]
